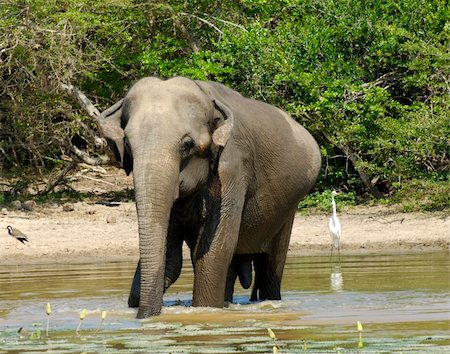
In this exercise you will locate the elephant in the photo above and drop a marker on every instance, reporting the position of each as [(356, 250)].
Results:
[(216, 170), (241, 266)]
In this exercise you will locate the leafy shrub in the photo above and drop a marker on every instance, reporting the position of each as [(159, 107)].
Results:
[(321, 201), (369, 79)]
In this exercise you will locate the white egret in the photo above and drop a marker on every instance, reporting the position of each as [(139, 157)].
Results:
[(334, 226)]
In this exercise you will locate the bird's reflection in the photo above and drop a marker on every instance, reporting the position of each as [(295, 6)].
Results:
[(336, 278)]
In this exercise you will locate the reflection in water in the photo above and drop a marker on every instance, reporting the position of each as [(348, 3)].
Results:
[(336, 278), (402, 301)]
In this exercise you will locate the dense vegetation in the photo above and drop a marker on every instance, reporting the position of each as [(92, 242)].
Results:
[(369, 79)]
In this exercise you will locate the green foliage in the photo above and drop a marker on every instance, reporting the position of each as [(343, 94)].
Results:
[(61, 196), (321, 201), (369, 79), (423, 195)]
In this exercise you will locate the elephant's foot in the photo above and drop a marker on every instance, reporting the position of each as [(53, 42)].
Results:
[(145, 312), (267, 285), (265, 294)]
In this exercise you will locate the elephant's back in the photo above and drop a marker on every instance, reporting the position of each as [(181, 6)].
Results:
[(285, 162), (280, 157), (284, 152)]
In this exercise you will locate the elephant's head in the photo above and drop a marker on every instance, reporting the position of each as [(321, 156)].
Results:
[(167, 133)]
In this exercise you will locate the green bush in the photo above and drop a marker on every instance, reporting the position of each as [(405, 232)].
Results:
[(369, 79), (321, 201)]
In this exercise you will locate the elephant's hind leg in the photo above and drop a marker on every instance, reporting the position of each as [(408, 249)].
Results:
[(241, 266), (260, 262), (269, 266)]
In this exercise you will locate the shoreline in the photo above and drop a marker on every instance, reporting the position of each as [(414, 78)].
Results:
[(94, 233)]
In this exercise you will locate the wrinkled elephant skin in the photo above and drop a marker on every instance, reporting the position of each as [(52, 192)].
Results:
[(216, 170)]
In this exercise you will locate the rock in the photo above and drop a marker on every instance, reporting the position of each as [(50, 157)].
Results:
[(29, 205), (4, 211), (68, 207), (16, 204), (111, 219)]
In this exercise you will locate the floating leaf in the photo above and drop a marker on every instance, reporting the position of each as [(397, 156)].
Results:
[(36, 334)]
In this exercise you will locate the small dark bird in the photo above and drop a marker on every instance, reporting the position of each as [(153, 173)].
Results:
[(17, 234)]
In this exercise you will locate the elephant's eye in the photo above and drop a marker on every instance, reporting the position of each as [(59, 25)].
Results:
[(187, 144)]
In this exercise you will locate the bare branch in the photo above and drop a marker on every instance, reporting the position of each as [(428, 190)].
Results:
[(91, 111), (204, 21), (384, 81), (52, 184), (84, 102), (354, 158), (98, 141), (84, 157), (193, 42), (227, 22), (95, 179)]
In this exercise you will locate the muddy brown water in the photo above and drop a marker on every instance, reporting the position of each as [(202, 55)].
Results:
[(402, 301)]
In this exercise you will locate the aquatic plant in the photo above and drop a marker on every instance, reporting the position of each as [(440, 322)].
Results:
[(304, 345), (83, 314), (48, 311), (271, 334), (360, 330), (36, 334), (103, 321), (275, 348)]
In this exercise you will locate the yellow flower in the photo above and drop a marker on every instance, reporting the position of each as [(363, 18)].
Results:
[(48, 309), (83, 314), (271, 334), (359, 325)]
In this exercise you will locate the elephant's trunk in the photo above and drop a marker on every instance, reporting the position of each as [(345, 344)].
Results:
[(156, 185)]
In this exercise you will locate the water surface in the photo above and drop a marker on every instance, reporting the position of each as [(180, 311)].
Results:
[(402, 301)]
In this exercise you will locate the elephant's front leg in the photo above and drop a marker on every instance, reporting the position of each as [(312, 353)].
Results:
[(174, 261), (217, 243), (133, 298)]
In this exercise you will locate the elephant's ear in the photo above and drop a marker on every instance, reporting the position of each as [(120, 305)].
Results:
[(223, 122), (112, 130)]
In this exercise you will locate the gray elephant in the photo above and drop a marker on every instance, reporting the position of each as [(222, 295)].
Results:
[(216, 170)]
